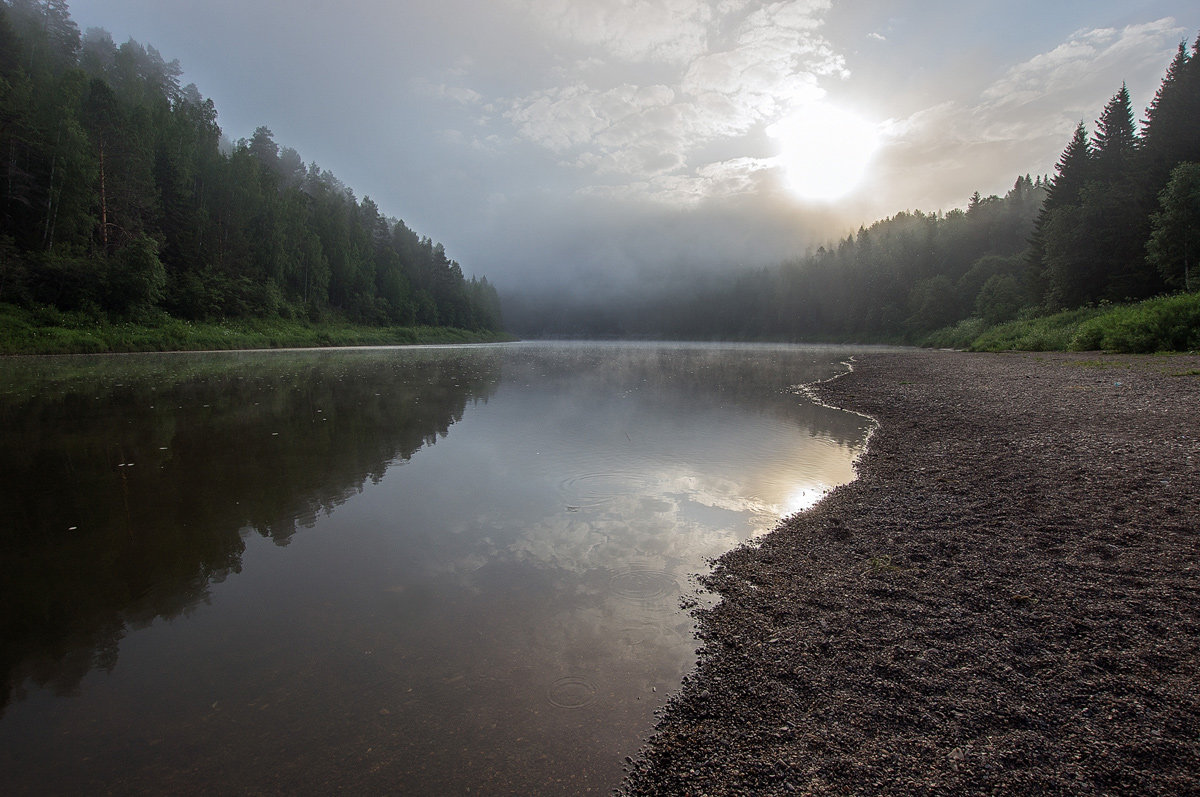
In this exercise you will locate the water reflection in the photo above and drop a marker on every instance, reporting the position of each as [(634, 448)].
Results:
[(499, 611), (129, 481)]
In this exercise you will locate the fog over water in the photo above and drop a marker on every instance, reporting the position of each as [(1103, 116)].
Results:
[(592, 142)]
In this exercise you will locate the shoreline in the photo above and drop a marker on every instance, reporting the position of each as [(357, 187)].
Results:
[(1006, 599)]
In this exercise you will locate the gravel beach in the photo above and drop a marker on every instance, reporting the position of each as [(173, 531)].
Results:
[(1006, 601)]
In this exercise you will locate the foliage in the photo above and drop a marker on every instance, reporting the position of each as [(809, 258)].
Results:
[(999, 299), (1167, 323), (960, 336), (1054, 332), (117, 197), (1174, 245), (48, 330), (1091, 238), (1170, 323)]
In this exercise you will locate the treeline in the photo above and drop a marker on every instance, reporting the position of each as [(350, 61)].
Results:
[(912, 272), (119, 197), (1118, 221)]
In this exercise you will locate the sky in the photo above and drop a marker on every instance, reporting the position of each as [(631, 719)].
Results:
[(589, 142)]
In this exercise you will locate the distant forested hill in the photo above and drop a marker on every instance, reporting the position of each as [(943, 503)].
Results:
[(118, 197)]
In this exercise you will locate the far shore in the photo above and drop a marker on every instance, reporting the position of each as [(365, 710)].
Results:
[(1006, 601)]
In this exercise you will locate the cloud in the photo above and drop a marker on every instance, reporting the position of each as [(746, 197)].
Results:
[(932, 156), (671, 31), (571, 116), (1086, 61), (457, 94), (718, 180), (727, 68)]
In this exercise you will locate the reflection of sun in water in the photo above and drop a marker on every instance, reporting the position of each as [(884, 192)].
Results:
[(824, 151), (803, 498)]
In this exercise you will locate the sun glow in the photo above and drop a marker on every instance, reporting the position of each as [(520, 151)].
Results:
[(824, 151)]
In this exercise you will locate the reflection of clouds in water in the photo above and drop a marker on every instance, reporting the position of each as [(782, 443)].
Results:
[(669, 524), (663, 518), (681, 515), (626, 528)]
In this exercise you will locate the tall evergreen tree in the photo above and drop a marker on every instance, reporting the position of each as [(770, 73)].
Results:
[(1115, 140), (1072, 172), (1117, 206), (1063, 192), (1171, 129)]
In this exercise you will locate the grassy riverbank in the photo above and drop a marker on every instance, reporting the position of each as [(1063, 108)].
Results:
[(1169, 323), (48, 331)]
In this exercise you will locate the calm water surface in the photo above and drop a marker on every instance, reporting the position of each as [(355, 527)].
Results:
[(430, 571)]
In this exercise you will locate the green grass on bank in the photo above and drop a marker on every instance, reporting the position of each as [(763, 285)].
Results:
[(1169, 323), (49, 331)]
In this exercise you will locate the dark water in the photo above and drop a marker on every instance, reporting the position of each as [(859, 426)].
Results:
[(432, 571)]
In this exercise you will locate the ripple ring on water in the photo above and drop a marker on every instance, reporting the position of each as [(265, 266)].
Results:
[(572, 692), (589, 490), (643, 584)]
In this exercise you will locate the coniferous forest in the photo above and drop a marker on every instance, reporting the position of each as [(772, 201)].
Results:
[(119, 199)]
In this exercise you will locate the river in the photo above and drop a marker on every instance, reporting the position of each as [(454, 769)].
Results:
[(439, 570)]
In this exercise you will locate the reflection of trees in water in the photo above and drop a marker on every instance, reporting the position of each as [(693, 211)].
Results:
[(128, 485)]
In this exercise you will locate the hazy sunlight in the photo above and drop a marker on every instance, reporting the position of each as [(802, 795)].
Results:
[(824, 151)]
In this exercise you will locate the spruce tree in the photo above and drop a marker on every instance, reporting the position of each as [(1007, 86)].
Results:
[(1063, 191), (1117, 207), (1072, 172), (1115, 140), (1165, 114), (1171, 129)]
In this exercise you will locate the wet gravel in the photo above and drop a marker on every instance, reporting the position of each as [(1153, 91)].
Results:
[(1006, 601)]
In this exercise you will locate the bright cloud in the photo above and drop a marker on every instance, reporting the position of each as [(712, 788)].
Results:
[(731, 67), (457, 94)]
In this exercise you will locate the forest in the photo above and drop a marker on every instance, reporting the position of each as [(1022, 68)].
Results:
[(120, 198), (1118, 221)]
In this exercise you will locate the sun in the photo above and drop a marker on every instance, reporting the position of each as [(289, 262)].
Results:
[(824, 151)]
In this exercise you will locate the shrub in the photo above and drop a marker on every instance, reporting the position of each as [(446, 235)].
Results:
[(135, 278), (1169, 323)]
